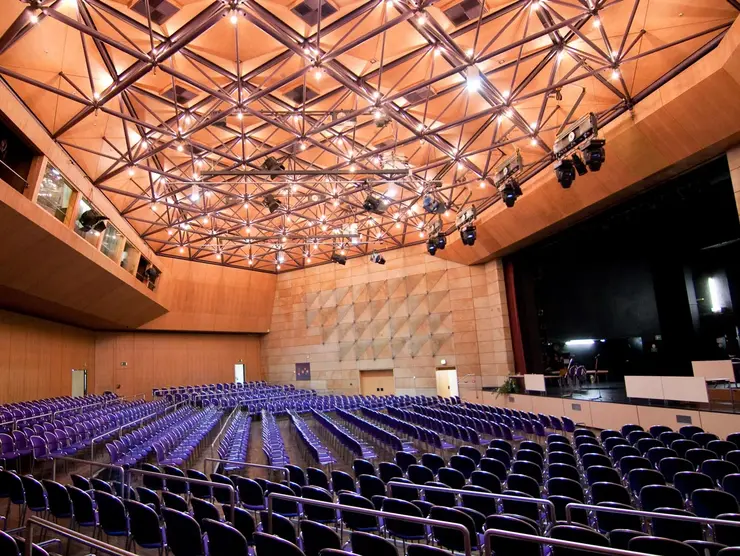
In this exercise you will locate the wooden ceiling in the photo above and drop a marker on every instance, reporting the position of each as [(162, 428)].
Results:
[(387, 85)]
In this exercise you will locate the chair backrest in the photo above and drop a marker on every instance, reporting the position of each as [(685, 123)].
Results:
[(112, 514), (224, 539), (281, 526), (355, 521), (60, 503), (449, 538), (398, 528), (578, 534), (183, 533), (661, 546), (202, 509), (144, 523), (266, 545), (317, 537), (366, 544)]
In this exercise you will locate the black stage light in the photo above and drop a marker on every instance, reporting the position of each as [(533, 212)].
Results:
[(373, 204), (339, 259), (579, 165), (594, 154), (468, 235), (431, 247), (377, 258), (433, 206), (91, 220), (441, 241), (271, 203), (565, 172), (271, 164), (508, 193)]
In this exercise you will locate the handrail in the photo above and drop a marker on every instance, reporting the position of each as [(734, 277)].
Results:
[(586, 548), (365, 511), (538, 501), (119, 468), (220, 432), (653, 515), (34, 521), (244, 464), (120, 430), (79, 408), (166, 477), (31, 418)]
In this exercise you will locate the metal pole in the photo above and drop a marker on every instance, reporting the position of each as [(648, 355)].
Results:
[(34, 521), (586, 548), (245, 464), (641, 513)]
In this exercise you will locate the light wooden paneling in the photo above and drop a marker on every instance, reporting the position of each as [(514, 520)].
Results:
[(37, 357), (210, 298), (155, 359), (47, 270)]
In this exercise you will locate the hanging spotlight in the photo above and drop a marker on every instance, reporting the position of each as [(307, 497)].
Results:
[(505, 180), (194, 193), (373, 204), (472, 79), (579, 165), (271, 164), (565, 172), (594, 154), (339, 259), (468, 235), (271, 203), (377, 258), (435, 243)]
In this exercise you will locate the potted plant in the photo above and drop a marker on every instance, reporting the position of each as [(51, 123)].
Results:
[(508, 387)]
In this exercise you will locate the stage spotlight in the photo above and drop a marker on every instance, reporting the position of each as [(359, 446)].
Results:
[(271, 164), (339, 259), (579, 165), (594, 154), (565, 172), (508, 192), (433, 205), (271, 203), (441, 241), (468, 235), (373, 204), (436, 243), (431, 247), (91, 220), (377, 258)]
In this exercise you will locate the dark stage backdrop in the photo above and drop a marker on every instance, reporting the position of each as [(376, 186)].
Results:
[(625, 276)]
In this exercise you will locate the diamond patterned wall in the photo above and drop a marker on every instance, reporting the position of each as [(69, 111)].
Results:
[(407, 315)]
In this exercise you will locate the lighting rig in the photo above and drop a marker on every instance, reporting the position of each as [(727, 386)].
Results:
[(464, 222), (583, 136), (505, 180)]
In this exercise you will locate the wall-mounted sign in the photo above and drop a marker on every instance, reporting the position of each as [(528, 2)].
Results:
[(303, 371)]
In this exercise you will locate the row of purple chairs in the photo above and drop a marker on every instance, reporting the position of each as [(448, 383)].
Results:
[(66, 436), (176, 446), (310, 441), (136, 445), (234, 445), (28, 410), (431, 438), (342, 438), (272, 441)]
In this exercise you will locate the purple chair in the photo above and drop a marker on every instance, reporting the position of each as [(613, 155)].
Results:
[(8, 451)]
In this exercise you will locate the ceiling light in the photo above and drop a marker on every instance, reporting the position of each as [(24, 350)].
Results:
[(218, 256), (336, 202), (180, 148), (34, 19), (205, 220), (308, 260), (284, 239), (342, 252), (597, 22), (182, 249), (239, 115), (303, 146), (615, 54), (194, 193), (473, 80), (536, 5), (170, 232), (96, 95), (421, 234), (437, 50), (155, 207), (278, 267), (250, 262), (196, 176), (533, 141), (482, 184), (469, 52), (468, 235), (318, 73), (324, 227), (460, 165), (234, 19), (352, 168), (421, 18), (615, 74), (561, 55), (130, 170)]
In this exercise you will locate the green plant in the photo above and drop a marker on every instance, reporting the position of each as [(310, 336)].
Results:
[(508, 387)]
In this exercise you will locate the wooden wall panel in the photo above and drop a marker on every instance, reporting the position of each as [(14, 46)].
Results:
[(37, 357), (155, 359), (210, 298)]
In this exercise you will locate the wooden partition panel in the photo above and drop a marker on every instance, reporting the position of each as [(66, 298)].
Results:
[(37, 357), (154, 359), (211, 298)]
